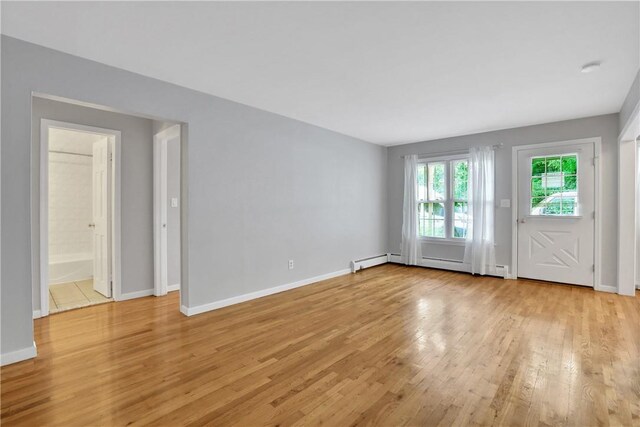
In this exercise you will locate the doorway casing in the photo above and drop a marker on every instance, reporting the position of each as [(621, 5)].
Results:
[(160, 207), (43, 279)]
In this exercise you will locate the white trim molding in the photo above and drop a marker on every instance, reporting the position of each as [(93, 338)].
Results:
[(160, 206), (43, 278), (134, 295), (37, 314), (173, 288), (190, 311), (627, 204), (19, 355)]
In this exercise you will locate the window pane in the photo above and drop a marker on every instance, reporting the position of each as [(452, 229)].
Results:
[(569, 205), (537, 167), (537, 205), (460, 179), (570, 164), (570, 182), (436, 181), (422, 182), (554, 207), (460, 219), (553, 164), (537, 187), (431, 219)]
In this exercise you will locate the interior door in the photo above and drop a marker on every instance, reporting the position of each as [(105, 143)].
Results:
[(556, 214), (101, 208)]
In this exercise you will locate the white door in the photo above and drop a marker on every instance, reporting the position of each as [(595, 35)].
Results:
[(101, 207), (556, 214)]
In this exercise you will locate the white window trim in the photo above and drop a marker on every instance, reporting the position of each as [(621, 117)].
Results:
[(448, 201)]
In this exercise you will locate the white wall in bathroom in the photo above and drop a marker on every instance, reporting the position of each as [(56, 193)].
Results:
[(70, 207)]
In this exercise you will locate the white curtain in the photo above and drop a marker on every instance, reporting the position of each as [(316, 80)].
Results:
[(410, 253), (479, 248)]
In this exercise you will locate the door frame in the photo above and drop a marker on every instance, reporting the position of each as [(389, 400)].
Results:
[(45, 125), (160, 207), (597, 142)]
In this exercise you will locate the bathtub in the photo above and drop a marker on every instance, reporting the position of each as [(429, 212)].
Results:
[(69, 267)]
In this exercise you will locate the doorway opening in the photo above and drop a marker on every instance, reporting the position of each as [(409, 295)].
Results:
[(79, 228)]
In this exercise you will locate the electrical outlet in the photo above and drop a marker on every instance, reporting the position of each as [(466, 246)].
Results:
[(290, 264)]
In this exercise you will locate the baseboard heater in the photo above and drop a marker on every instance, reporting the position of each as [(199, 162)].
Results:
[(450, 264), (369, 262)]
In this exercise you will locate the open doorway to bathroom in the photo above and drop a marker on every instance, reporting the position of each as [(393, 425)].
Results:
[(79, 177)]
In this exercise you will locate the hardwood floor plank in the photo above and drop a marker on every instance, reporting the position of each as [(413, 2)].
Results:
[(389, 346)]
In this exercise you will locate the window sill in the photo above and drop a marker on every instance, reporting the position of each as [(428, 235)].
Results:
[(443, 241)]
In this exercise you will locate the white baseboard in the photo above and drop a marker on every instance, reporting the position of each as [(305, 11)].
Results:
[(190, 311), (19, 355), (37, 314), (445, 264), (608, 288), (137, 294), (369, 262), (172, 288)]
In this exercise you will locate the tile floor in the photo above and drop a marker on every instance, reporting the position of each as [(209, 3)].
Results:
[(66, 296)]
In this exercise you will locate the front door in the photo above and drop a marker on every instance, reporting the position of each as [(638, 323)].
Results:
[(556, 213)]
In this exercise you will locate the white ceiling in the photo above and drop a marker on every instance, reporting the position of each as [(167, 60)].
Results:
[(385, 72), (71, 141)]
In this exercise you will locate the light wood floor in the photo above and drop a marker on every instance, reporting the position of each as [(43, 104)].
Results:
[(388, 346)]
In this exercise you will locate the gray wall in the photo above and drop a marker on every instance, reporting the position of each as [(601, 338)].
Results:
[(257, 188), (630, 103), (137, 187), (602, 126)]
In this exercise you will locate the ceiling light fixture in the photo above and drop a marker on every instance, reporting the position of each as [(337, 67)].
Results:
[(590, 67)]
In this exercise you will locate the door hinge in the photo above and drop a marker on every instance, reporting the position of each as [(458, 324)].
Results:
[(110, 157), (593, 161), (593, 214), (593, 268)]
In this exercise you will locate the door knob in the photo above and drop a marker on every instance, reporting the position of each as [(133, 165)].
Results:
[(522, 221)]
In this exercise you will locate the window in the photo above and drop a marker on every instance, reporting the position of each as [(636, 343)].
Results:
[(442, 194), (554, 185)]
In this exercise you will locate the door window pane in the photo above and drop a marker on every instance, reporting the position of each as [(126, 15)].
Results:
[(553, 164), (537, 167), (554, 185), (570, 164)]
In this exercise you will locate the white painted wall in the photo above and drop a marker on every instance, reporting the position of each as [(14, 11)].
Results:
[(70, 210)]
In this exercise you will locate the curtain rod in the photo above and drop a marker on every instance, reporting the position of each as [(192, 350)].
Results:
[(72, 154), (451, 153)]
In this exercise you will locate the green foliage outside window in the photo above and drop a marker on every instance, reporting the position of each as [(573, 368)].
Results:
[(554, 185)]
